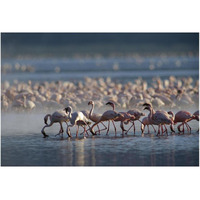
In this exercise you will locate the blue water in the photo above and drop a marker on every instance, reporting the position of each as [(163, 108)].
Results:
[(121, 69)]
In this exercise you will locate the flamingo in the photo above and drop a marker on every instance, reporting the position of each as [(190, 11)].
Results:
[(184, 117), (109, 115), (75, 118), (124, 116), (168, 114), (56, 117), (146, 122), (158, 118), (137, 114), (95, 117)]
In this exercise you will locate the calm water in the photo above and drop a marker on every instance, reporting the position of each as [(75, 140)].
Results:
[(121, 69), (22, 144)]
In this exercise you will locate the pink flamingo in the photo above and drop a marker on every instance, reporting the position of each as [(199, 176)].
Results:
[(137, 114), (158, 118), (76, 118), (109, 115), (146, 122), (124, 116), (95, 117), (56, 117), (184, 117), (168, 114)]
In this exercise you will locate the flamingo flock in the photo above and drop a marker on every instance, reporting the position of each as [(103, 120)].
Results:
[(159, 118), (128, 101)]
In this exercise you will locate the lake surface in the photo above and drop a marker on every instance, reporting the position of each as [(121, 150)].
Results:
[(22, 144)]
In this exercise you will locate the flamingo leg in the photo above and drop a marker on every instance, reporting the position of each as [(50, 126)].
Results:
[(77, 131), (165, 129), (172, 128), (61, 129), (114, 127), (85, 129), (98, 129), (42, 131), (158, 130), (148, 129), (162, 129), (91, 129), (134, 128), (68, 129), (188, 127), (179, 127), (83, 126), (121, 126), (104, 127), (153, 128), (108, 127), (87, 133), (129, 129)]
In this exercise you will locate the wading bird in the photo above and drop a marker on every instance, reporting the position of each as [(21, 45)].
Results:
[(146, 122), (125, 117), (109, 115), (168, 115), (184, 117), (158, 118), (56, 117), (76, 118), (95, 117)]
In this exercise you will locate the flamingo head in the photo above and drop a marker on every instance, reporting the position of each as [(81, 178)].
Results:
[(111, 104), (170, 113), (146, 108), (195, 117), (90, 102), (147, 104), (68, 109)]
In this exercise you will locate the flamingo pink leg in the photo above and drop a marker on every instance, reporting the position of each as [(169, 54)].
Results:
[(108, 127), (114, 127)]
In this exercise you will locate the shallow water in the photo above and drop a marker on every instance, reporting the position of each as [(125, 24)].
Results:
[(22, 144)]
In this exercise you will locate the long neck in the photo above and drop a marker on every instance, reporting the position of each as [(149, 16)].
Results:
[(91, 111), (113, 105), (151, 110)]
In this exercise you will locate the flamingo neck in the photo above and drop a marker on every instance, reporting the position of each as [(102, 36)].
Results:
[(91, 111), (152, 111), (70, 112), (113, 106)]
